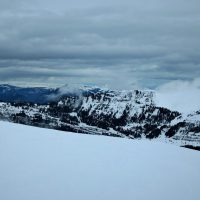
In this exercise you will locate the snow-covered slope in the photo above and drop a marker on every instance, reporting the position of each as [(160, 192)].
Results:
[(41, 164)]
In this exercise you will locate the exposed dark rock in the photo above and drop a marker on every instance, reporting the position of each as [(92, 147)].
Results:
[(192, 147), (174, 129)]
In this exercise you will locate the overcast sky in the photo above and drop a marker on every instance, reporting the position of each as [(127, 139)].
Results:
[(119, 44)]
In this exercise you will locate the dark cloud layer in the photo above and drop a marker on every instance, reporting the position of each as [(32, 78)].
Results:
[(121, 44)]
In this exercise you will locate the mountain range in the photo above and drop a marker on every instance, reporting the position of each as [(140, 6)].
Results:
[(130, 114)]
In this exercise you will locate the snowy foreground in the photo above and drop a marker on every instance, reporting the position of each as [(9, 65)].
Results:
[(42, 164)]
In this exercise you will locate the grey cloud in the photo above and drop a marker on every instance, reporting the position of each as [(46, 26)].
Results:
[(139, 42)]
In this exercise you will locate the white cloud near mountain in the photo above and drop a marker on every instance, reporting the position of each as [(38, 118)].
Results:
[(183, 96)]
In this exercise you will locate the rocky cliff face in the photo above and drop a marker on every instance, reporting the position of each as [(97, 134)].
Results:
[(131, 114)]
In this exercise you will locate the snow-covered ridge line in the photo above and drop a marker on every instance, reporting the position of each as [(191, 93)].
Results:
[(10, 93)]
